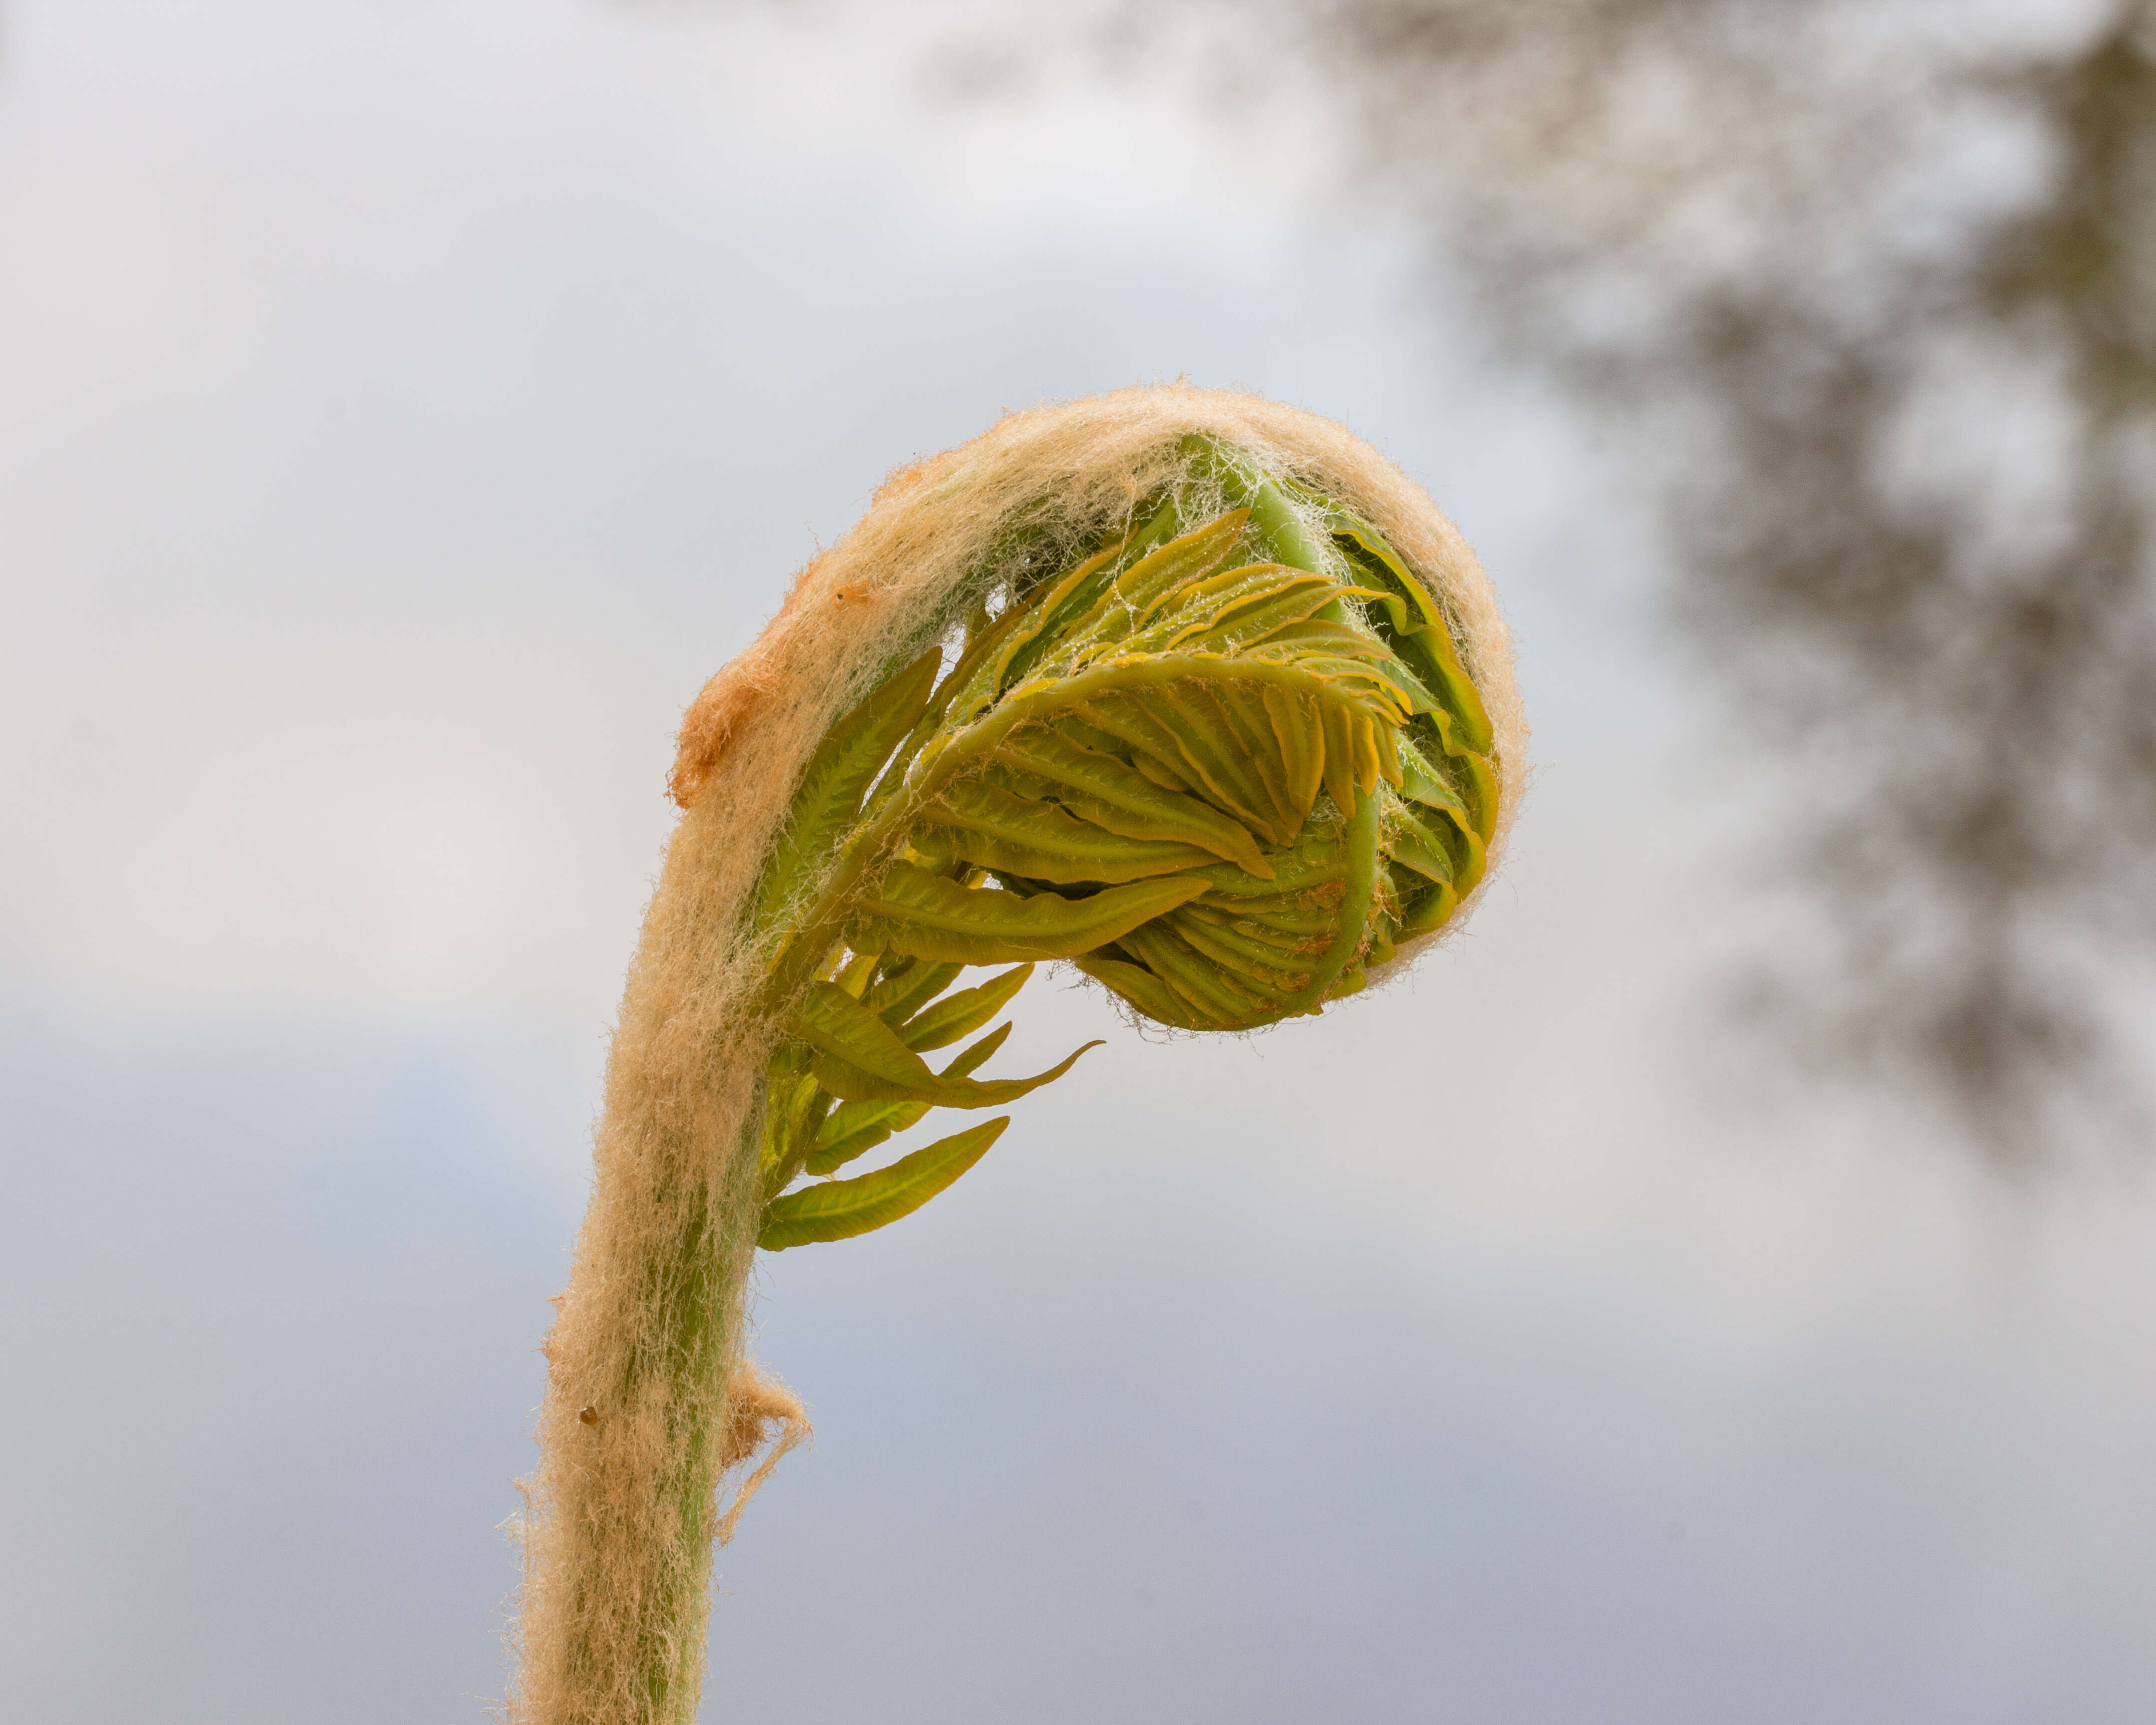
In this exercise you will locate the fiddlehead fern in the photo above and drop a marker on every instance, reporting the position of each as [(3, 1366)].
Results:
[(1190, 691), (1224, 765)]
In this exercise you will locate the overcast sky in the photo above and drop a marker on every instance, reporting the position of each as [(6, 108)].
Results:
[(403, 407)]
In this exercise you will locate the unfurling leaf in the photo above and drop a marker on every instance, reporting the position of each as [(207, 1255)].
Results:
[(982, 824), (963, 1013), (854, 1128), (839, 1209), (861, 1059), (838, 777), (925, 915), (1225, 766)]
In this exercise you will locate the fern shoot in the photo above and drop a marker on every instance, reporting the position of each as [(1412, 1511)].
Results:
[(1189, 690)]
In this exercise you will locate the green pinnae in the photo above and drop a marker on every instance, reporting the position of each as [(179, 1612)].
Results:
[(1221, 766)]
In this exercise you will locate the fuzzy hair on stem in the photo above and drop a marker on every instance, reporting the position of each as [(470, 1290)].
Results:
[(648, 1397)]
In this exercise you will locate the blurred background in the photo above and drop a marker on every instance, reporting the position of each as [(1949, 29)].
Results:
[(1719, 1285)]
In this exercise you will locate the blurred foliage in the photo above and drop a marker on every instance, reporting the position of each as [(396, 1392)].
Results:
[(1869, 292)]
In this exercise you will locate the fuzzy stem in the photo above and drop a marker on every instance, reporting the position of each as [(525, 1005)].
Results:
[(635, 1428), (619, 1539)]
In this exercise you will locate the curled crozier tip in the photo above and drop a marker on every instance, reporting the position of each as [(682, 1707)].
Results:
[(1205, 639)]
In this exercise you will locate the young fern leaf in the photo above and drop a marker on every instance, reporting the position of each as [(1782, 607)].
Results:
[(859, 1058), (1225, 743), (854, 1128), (906, 986), (926, 916), (839, 1209), (1196, 712), (838, 777), (960, 1014)]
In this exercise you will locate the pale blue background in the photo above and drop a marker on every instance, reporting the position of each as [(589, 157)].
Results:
[(405, 407)]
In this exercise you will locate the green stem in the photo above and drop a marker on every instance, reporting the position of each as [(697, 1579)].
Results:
[(701, 1289)]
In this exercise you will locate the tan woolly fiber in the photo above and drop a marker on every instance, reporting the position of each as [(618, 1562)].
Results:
[(754, 1405), (637, 1422)]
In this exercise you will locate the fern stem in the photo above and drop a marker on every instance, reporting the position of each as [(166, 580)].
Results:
[(632, 1430), (1221, 790)]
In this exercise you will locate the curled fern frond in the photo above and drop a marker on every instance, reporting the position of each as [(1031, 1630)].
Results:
[(1191, 692), (1224, 764)]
